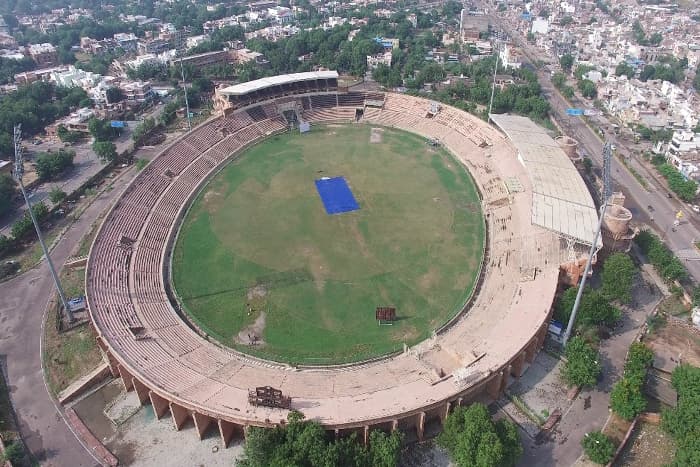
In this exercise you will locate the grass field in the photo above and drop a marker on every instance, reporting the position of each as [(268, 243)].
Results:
[(258, 257)]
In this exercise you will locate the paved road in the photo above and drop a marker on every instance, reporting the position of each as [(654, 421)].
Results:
[(638, 197), (22, 304)]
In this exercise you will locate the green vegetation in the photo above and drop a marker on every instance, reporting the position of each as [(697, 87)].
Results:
[(105, 150), (23, 227), (566, 61), (14, 452), (617, 277), (416, 244), (582, 366), (35, 106), (473, 439), (598, 447), (102, 129), (49, 165), (641, 37), (663, 260), (588, 88), (696, 80), (68, 136), (683, 422), (624, 68), (685, 189), (9, 67), (654, 135), (626, 398), (143, 130), (559, 82), (7, 193), (668, 69), (141, 163), (303, 443), (56, 195)]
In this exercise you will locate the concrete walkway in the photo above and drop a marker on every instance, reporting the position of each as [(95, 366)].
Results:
[(590, 410)]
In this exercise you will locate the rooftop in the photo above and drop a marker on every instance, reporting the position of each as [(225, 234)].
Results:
[(258, 84), (561, 201)]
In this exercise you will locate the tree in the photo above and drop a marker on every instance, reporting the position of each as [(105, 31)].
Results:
[(588, 88), (618, 276), (7, 192), (595, 310), (696, 79), (639, 359), (566, 61), (598, 447), (56, 195), (626, 399), (102, 130), (472, 438), (683, 421), (384, 449), (582, 365), (624, 68), (304, 443), (558, 80), (51, 164), (106, 150), (114, 94), (566, 20)]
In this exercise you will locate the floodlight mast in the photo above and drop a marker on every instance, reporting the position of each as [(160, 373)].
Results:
[(18, 173), (187, 103), (605, 195)]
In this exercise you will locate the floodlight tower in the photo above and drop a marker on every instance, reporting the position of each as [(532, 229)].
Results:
[(605, 195), (493, 84), (187, 103), (18, 172)]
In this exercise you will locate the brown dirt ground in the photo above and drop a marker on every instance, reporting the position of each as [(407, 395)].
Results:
[(648, 446), (674, 343)]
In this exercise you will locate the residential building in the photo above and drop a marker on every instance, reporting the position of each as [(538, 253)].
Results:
[(44, 55), (137, 91)]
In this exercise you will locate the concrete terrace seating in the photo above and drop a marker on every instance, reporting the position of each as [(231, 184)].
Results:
[(177, 370)]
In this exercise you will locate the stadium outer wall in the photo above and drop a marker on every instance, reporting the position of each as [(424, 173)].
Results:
[(181, 410)]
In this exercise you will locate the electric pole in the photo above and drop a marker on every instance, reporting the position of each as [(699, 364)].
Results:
[(18, 173), (187, 104)]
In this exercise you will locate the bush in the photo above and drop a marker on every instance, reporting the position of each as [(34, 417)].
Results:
[(683, 422), (23, 226), (639, 358), (582, 366), (663, 260), (598, 447), (14, 452), (51, 164), (7, 268), (618, 276), (472, 438), (626, 399), (685, 189), (56, 195)]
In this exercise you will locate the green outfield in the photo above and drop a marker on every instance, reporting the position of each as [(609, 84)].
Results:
[(261, 267)]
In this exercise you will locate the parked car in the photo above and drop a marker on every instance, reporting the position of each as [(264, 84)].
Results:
[(696, 208)]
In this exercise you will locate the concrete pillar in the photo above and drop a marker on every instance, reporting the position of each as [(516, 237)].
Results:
[(445, 412), (336, 432), (226, 430), (460, 401), (493, 388), (141, 390), (201, 423), (531, 351), (126, 378), (420, 426), (180, 415), (246, 429), (365, 435), (394, 425), (504, 380), (160, 405), (518, 364)]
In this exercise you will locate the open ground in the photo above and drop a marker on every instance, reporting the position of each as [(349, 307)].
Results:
[(257, 251)]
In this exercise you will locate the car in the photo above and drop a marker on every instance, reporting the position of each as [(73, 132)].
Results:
[(650, 208), (669, 195), (696, 208)]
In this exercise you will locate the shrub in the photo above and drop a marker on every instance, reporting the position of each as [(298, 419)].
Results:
[(626, 399), (582, 366), (56, 195), (598, 447)]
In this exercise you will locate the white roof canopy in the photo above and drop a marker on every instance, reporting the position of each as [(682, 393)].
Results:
[(262, 83), (561, 201)]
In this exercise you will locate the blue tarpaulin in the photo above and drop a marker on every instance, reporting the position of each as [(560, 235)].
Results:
[(574, 112), (117, 124), (336, 195)]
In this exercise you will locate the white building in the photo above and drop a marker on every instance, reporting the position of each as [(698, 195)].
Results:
[(509, 58), (75, 77), (373, 61), (540, 26), (683, 152)]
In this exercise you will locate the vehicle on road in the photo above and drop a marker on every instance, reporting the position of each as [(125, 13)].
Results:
[(696, 208), (650, 208), (669, 195)]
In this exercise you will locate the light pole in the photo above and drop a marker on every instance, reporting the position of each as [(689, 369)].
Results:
[(187, 104), (18, 172)]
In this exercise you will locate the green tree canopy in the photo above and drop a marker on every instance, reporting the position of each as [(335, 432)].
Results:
[(588, 88), (473, 439), (303, 443), (598, 447), (566, 61), (51, 164), (7, 192), (624, 68), (582, 365), (105, 150), (683, 422), (618, 276), (626, 399)]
